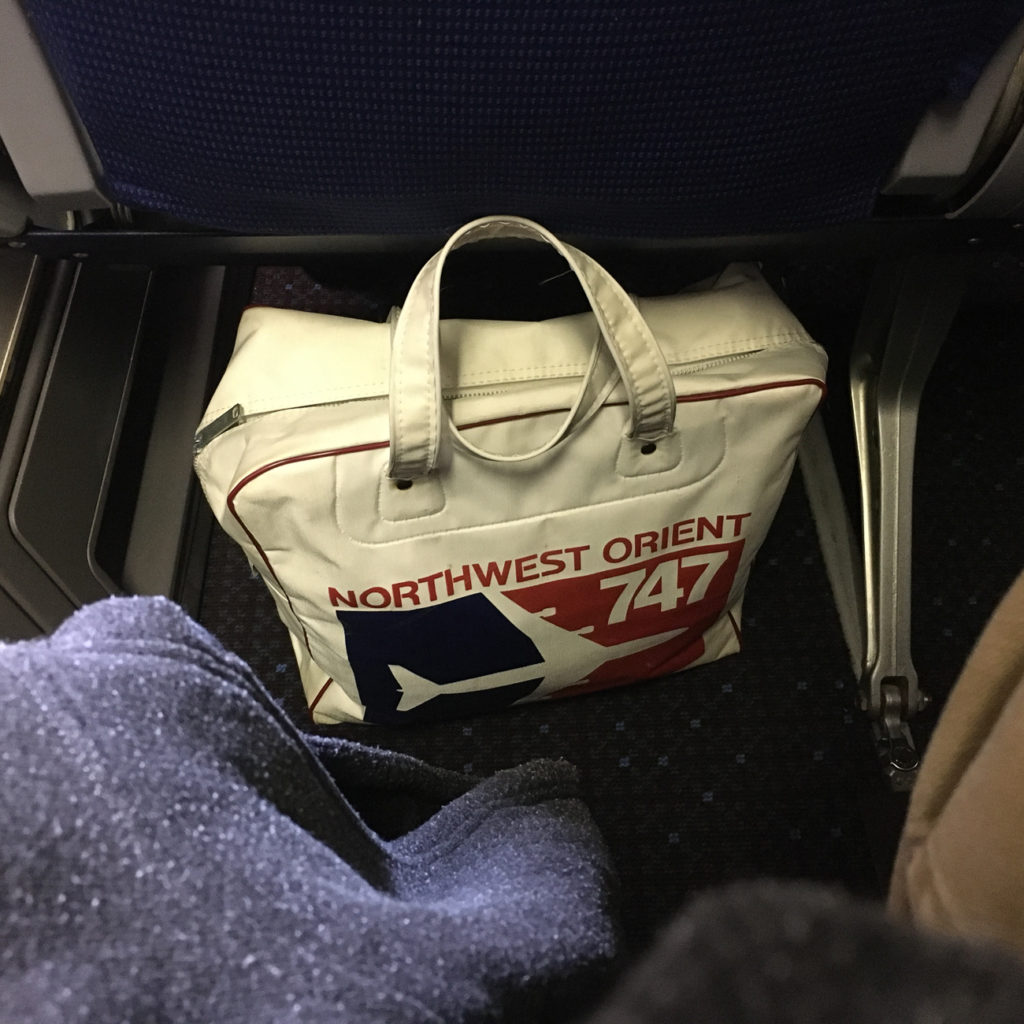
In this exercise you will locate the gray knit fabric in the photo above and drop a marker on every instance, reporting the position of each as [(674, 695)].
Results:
[(793, 953), (173, 850)]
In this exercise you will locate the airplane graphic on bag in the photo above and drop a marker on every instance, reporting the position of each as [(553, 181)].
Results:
[(487, 650)]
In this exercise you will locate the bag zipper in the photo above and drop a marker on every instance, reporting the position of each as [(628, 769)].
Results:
[(236, 415), (224, 422), (680, 371)]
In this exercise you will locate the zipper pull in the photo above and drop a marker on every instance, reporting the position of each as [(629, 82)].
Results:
[(224, 422)]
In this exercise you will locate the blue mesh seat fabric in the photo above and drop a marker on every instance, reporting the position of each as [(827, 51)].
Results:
[(648, 117)]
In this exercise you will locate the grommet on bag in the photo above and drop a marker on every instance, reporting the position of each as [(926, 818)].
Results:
[(403, 499), (638, 458)]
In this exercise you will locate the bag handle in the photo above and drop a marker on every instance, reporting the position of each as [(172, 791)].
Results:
[(599, 381), (415, 387)]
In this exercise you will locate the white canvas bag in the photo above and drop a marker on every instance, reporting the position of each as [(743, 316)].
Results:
[(457, 516)]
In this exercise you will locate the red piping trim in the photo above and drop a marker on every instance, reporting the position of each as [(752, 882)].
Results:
[(750, 390), (255, 543), (375, 445), (316, 699), (736, 629)]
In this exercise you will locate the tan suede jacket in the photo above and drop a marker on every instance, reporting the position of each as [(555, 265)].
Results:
[(960, 864)]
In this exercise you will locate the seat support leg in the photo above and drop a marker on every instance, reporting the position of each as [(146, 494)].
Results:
[(910, 307)]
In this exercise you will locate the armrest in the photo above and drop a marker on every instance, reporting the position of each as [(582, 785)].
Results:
[(47, 146), (955, 136)]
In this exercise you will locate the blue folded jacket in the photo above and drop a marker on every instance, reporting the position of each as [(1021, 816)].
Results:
[(172, 849)]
